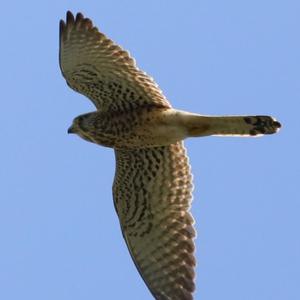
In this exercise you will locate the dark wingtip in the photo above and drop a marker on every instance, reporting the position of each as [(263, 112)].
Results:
[(79, 17), (79, 21), (62, 26), (70, 18)]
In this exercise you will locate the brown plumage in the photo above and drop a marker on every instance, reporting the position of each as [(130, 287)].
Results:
[(152, 189)]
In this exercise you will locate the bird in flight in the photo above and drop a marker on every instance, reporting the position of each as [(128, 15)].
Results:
[(152, 188)]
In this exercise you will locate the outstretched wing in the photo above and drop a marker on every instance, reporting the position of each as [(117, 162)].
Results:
[(96, 67), (152, 194)]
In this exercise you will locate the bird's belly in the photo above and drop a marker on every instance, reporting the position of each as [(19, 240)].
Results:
[(141, 137), (136, 141), (146, 129)]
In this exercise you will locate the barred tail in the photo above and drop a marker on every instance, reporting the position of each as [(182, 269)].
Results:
[(198, 125)]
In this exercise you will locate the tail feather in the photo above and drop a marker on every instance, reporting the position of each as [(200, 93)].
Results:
[(198, 125)]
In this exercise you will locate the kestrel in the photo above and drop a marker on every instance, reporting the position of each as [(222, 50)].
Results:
[(152, 189)]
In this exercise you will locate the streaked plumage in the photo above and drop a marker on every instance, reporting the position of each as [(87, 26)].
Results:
[(153, 184), (152, 193)]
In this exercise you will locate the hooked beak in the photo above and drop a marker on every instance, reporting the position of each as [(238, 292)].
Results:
[(71, 129)]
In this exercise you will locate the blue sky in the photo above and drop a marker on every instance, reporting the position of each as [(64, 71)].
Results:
[(60, 236)]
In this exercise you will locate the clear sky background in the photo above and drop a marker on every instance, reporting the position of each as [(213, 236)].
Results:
[(59, 233)]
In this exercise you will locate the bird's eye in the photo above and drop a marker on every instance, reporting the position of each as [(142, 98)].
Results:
[(80, 121)]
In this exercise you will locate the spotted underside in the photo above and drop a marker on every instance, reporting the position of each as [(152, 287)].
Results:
[(95, 66), (152, 192), (152, 189)]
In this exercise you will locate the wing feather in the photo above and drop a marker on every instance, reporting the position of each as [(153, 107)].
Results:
[(95, 66), (152, 195)]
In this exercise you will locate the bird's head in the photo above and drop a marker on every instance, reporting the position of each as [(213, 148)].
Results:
[(83, 126)]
